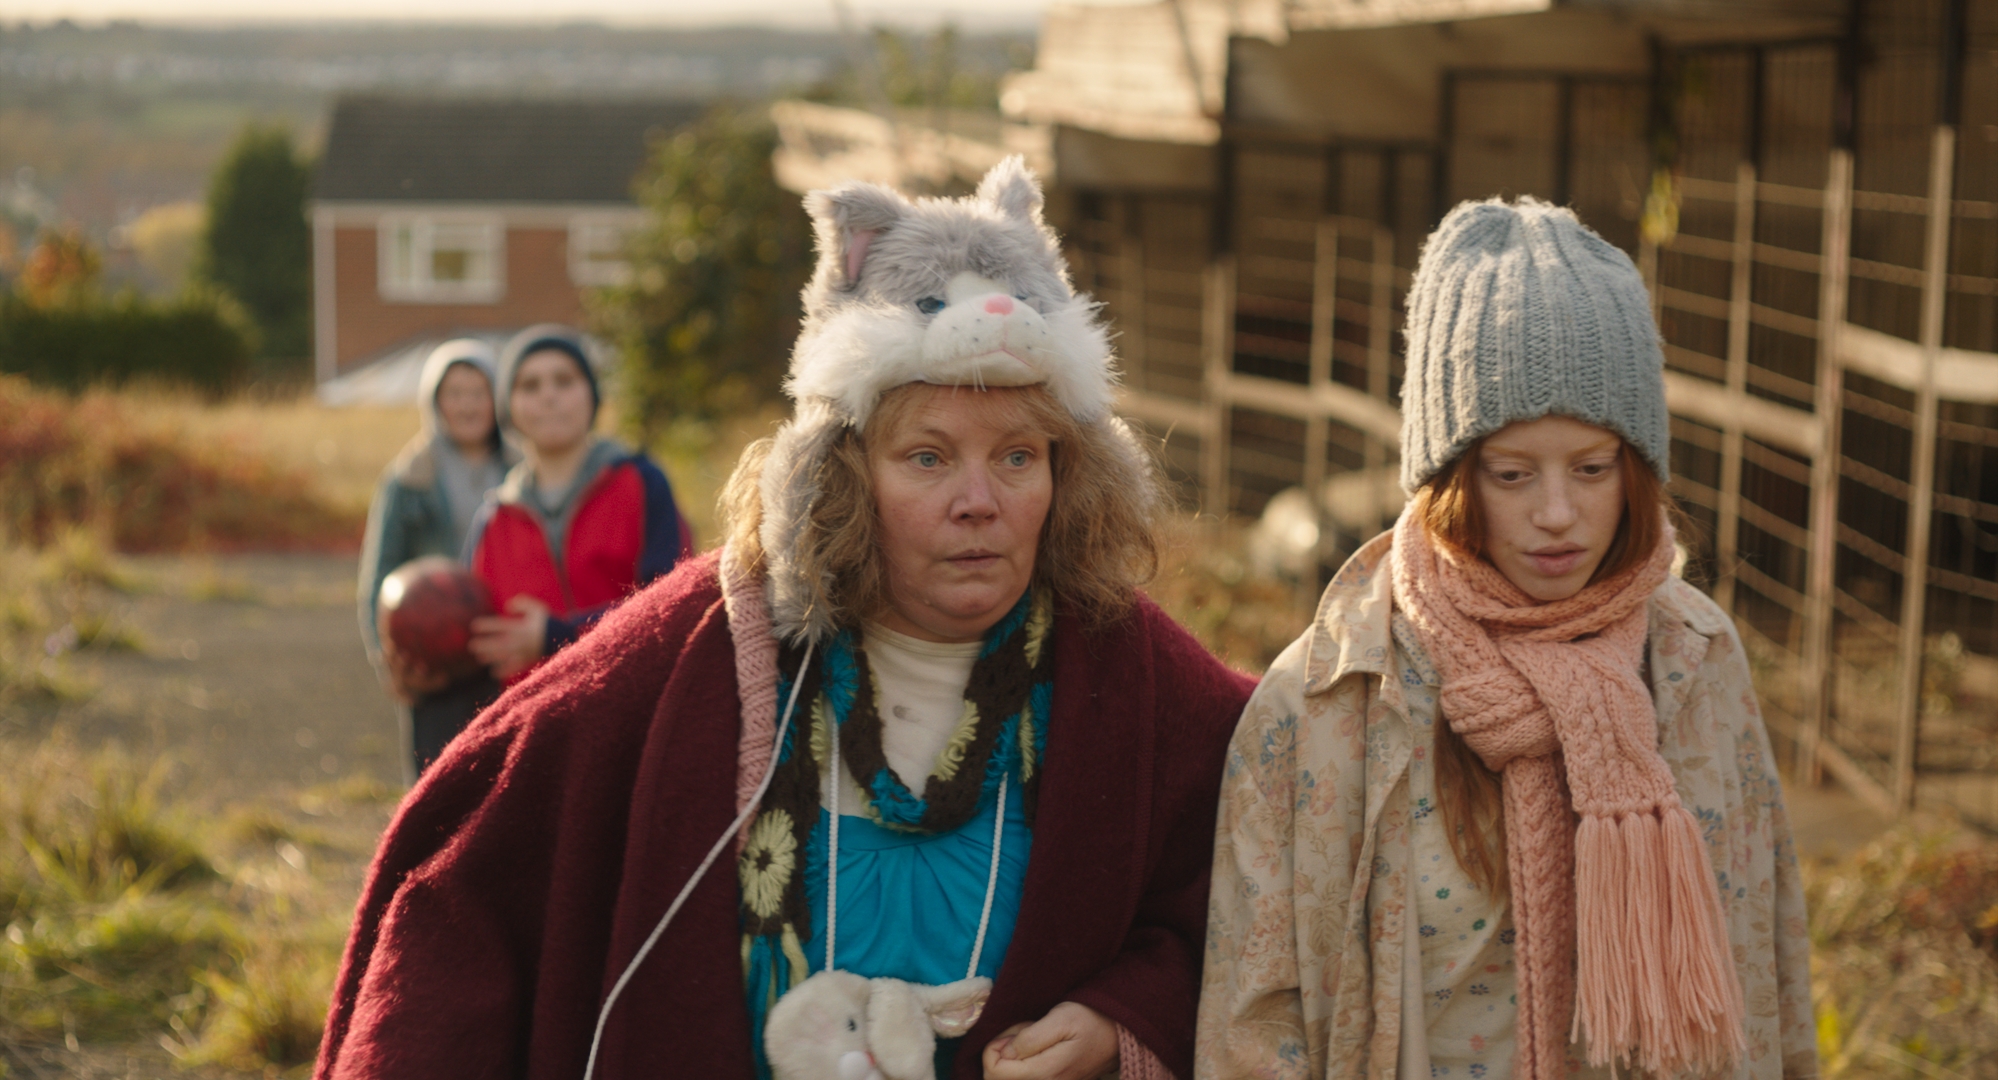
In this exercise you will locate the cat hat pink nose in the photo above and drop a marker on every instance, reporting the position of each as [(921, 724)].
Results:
[(984, 337)]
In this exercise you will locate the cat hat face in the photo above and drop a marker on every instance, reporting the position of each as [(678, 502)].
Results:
[(966, 292), (954, 292)]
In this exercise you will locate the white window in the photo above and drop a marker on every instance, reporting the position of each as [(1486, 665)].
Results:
[(596, 252), (427, 258)]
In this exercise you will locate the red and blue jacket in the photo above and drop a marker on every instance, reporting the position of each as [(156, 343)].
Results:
[(624, 531)]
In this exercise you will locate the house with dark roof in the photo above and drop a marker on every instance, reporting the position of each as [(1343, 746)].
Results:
[(435, 218)]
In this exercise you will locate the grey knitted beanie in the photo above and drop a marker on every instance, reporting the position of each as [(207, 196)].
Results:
[(1517, 311)]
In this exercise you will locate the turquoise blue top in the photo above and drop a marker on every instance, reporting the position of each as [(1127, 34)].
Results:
[(909, 903)]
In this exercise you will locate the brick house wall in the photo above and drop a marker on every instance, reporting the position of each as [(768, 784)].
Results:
[(358, 320)]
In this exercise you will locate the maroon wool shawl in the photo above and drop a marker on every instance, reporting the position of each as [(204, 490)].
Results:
[(527, 866)]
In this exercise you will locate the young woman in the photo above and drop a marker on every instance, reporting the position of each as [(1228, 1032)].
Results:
[(425, 506), (1508, 809), (919, 677), (579, 525)]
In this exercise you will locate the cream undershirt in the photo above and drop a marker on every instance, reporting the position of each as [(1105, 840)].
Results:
[(919, 690)]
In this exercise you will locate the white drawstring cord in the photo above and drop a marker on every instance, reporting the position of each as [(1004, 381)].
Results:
[(834, 782), (991, 877), (776, 751)]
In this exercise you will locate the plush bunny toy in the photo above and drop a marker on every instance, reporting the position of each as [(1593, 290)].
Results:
[(839, 1026)]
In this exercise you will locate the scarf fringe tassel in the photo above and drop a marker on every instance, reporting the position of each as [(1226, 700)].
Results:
[(1655, 976)]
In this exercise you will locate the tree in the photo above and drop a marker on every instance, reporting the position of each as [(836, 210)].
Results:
[(62, 271), (258, 247), (706, 321)]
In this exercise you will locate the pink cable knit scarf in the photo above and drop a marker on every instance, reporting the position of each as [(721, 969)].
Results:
[(1618, 914)]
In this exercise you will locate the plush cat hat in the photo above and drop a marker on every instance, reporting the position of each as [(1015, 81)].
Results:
[(970, 291)]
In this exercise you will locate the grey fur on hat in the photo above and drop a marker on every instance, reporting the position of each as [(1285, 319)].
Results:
[(1517, 311), (954, 292)]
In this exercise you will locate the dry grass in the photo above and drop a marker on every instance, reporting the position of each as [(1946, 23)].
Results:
[(106, 917), (698, 459), (53, 604), (128, 918), (1904, 939)]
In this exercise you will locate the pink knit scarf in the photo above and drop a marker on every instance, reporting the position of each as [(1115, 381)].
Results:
[(1618, 914)]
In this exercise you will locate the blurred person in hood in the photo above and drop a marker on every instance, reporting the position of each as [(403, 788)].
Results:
[(426, 504)]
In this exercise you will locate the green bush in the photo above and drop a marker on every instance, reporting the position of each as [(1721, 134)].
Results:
[(707, 321), (195, 341)]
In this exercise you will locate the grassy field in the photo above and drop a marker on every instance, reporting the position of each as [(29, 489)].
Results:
[(185, 815)]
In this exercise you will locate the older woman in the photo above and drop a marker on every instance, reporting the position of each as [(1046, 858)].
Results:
[(916, 709)]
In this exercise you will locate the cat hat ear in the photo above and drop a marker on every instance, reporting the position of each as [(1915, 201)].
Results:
[(968, 291), (845, 221)]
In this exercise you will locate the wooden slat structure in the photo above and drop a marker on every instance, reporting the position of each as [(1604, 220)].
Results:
[(1819, 222)]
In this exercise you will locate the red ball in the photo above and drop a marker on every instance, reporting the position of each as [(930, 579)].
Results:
[(426, 609)]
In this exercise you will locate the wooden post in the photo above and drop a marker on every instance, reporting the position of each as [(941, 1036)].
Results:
[(1727, 542), (1324, 297), (1131, 271), (1217, 319), (1820, 569), (1922, 475), (1380, 356), (1647, 268)]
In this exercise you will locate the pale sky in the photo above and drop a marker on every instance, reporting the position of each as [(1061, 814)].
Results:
[(970, 14)]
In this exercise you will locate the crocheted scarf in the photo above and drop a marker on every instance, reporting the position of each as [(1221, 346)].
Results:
[(1622, 940), (1002, 732)]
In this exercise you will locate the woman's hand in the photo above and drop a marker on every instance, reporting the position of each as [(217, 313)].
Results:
[(510, 644), (1072, 1042)]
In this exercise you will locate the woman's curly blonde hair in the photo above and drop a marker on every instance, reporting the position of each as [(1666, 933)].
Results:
[(1100, 542)]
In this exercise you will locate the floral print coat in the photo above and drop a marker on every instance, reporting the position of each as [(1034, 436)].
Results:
[(1309, 943)]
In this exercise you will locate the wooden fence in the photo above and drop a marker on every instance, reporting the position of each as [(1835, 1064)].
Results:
[(1828, 299)]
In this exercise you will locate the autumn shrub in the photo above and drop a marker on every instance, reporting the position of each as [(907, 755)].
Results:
[(98, 461), (1204, 584)]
